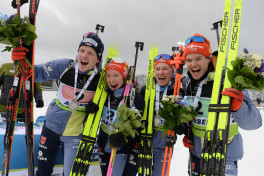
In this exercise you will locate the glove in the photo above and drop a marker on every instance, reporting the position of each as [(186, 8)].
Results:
[(237, 98), (13, 4), (18, 53), (170, 140), (117, 140), (136, 145), (91, 107), (180, 129), (40, 104), (187, 142)]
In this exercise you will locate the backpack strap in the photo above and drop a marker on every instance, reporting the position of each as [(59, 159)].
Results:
[(69, 66)]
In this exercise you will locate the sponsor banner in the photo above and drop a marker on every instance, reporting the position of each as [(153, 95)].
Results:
[(18, 164)]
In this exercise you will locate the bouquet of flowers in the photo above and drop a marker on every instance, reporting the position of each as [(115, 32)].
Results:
[(12, 29), (175, 112), (247, 72), (129, 120)]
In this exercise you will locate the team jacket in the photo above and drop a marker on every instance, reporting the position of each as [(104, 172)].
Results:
[(59, 118), (109, 116), (7, 73), (247, 117)]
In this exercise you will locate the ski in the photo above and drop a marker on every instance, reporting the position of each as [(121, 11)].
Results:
[(217, 131), (29, 92), (11, 113), (83, 156), (23, 83), (145, 150)]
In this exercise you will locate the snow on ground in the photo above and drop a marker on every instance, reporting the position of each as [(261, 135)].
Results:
[(251, 164), (48, 96)]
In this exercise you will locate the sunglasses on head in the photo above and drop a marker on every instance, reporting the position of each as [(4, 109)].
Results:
[(89, 34), (116, 60), (197, 39), (162, 56)]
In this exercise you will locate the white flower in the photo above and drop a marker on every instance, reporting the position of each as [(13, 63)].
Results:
[(256, 57), (211, 76), (258, 64), (251, 60), (171, 97), (250, 64), (166, 99)]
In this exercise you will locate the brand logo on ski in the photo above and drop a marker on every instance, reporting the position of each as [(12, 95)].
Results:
[(33, 5), (235, 29), (224, 31)]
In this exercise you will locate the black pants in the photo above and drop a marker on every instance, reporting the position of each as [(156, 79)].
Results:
[(131, 166), (195, 165), (48, 148)]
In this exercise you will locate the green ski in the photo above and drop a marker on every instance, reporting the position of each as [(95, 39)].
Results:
[(216, 137), (145, 153), (83, 156)]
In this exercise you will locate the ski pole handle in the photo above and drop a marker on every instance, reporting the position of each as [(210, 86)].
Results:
[(178, 60), (141, 46), (215, 27), (175, 48), (99, 28)]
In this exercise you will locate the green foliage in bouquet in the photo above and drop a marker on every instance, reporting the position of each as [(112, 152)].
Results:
[(13, 29), (129, 120), (247, 72), (175, 112)]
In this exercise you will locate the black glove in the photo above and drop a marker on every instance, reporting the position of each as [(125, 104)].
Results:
[(13, 4), (181, 129), (40, 104), (171, 140), (117, 140), (91, 107)]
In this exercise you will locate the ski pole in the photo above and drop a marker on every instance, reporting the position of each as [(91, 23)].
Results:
[(178, 62), (141, 46), (126, 93), (27, 113), (215, 27), (138, 45)]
